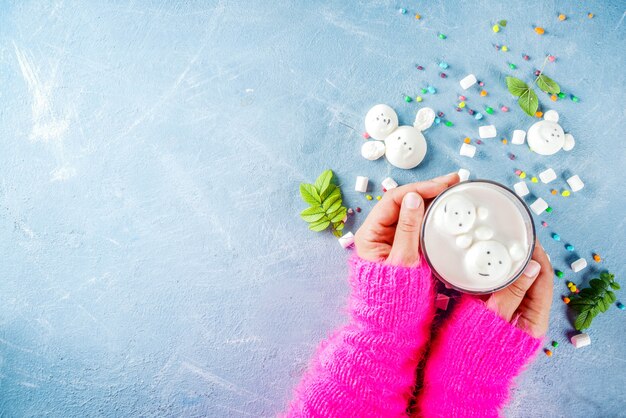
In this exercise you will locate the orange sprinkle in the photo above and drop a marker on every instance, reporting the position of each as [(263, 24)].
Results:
[(590, 15), (553, 191), (467, 140), (562, 17), (548, 352), (538, 114), (539, 30), (504, 141), (417, 16), (483, 93), (553, 97), (566, 300), (597, 258)]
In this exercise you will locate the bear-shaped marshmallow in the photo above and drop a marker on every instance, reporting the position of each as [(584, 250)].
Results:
[(490, 261), (404, 146), (547, 137), (457, 216)]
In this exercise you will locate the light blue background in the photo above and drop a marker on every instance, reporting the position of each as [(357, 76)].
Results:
[(152, 260)]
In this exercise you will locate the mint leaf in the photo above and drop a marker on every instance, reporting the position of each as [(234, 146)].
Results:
[(309, 194), (320, 225), (338, 217), (529, 102), (312, 214), (516, 86), (337, 233), (323, 181), (329, 190), (611, 295), (333, 198), (597, 284), (584, 320), (604, 304), (615, 285), (548, 85), (338, 226)]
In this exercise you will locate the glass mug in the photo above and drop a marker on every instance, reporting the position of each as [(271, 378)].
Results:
[(478, 236)]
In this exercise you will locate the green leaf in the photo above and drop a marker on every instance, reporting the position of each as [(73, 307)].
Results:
[(529, 102), (547, 84), (597, 284), (502, 23), (516, 86), (588, 292), (584, 320), (329, 190), (611, 295), (323, 181), (615, 285), (337, 233), (334, 198), (338, 226), (604, 303), (312, 214), (309, 194), (320, 225), (339, 216)]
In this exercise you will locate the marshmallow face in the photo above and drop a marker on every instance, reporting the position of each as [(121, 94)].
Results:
[(380, 121), (457, 215), (547, 137), (488, 261), (405, 147)]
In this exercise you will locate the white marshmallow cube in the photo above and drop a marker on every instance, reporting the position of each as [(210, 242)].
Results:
[(463, 174), (441, 302), (578, 265), (389, 183), (581, 340), (575, 183), (539, 206), (547, 176), (521, 188), (468, 81), (487, 131), (361, 184), (347, 240), (467, 150), (519, 137)]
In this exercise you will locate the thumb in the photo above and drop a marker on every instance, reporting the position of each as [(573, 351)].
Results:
[(506, 301), (405, 247)]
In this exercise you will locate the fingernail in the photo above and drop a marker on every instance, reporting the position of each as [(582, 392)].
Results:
[(412, 200), (532, 269)]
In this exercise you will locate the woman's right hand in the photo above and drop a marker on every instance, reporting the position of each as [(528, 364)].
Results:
[(527, 301)]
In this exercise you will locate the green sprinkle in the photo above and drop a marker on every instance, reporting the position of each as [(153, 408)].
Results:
[(442, 36), (575, 99), (559, 273), (555, 344), (561, 95), (489, 110), (512, 66), (548, 209), (502, 23), (424, 91), (408, 99), (448, 123)]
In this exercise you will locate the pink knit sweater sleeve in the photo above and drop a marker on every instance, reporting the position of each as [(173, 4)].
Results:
[(472, 363), (367, 368)]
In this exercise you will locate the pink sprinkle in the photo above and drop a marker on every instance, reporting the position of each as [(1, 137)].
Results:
[(384, 190), (366, 135), (443, 75), (481, 84), (504, 109), (511, 156), (526, 57), (551, 58), (458, 109), (497, 47), (462, 98), (544, 224), (518, 172), (478, 141)]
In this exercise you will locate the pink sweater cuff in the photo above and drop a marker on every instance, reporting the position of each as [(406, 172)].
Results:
[(473, 362), (391, 298)]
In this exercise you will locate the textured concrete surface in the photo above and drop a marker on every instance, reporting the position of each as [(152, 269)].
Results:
[(152, 261)]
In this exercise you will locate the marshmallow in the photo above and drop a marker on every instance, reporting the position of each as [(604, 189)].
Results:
[(468, 81), (575, 183), (519, 137), (464, 241), (372, 150), (483, 233), (547, 176), (539, 206), (467, 150), (578, 265), (581, 340), (487, 131), (441, 302), (389, 183), (347, 240), (361, 184), (463, 174), (521, 189), (483, 212)]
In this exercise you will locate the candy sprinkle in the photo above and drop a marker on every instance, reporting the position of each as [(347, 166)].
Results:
[(556, 237), (358, 209), (574, 99), (402, 11), (443, 65), (559, 274), (448, 123), (548, 352), (484, 93), (597, 258), (569, 247), (566, 300), (505, 48), (378, 197), (512, 66), (565, 193), (504, 109), (549, 209), (467, 140), (368, 197), (553, 191), (504, 141), (418, 16), (489, 110), (538, 114), (534, 180), (562, 17), (419, 67), (621, 306), (544, 224), (462, 105), (590, 15), (366, 135), (555, 344), (551, 58), (442, 36), (408, 99), (540, 30), (418, 99), (496, 28), (522, 175), (526, 57), (553, 97)]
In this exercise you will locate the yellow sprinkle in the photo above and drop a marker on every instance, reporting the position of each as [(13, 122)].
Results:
[(462, 105), (522, 175), (417, 16), (368, 197), (565, 193), (378, 197), (418, 99), (562, 17), (504, 141), (534, 180), (496, 28), (505, 48), (483, 93), (590, 15)]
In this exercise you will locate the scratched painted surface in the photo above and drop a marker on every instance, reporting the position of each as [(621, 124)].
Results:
[(152, 259)]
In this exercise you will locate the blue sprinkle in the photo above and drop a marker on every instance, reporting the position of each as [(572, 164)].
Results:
[(556, 237), (437, 120), (432, 90), (569, 247), (621, 305), (403, 11), (478, 116), (443, 64)]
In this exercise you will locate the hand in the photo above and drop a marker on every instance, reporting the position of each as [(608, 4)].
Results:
[(527, 301), (391, 231)]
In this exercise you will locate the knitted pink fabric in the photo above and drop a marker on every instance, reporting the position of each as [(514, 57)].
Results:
[(472, 363), (367, 368)]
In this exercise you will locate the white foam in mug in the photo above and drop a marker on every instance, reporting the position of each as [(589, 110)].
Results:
[(478, 236)]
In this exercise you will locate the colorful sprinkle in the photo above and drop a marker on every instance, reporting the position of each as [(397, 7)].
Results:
[(569, 247), (378, 197), (478, 116), (462, 98), (553, 97), (443, 65), (534, 180), (526, 57), (402, 11), (562, 17), (432, 90), (419, 99), (483, 93), (504, 141), (462, 105), (597, 258), (549, 209), (368, 197), (448, 123), (417, 16), (504, 109), (505, 48), (538, 114), (489, 110), (496, 28), (544, 224), (443, 75), (512, 66), (539, 30), (442, 36), (565, 193), (551, 58), (575, 99), (566, 300), (621, 306), (555, 344), (553, 191), (590, 15), (419, 67), (408, 99), (556, 237), (548, 352), (467, 140), (358, 209), (559, 274), (366, 135)]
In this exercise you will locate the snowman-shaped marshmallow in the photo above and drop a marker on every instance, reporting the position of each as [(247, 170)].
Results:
[(404, 146), (457, 216), (547, 137)]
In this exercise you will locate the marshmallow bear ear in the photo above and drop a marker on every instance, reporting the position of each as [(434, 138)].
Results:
[(551, 115), (569, 143), (483, 212), (424, 118), (373, 150), (517, 252)]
